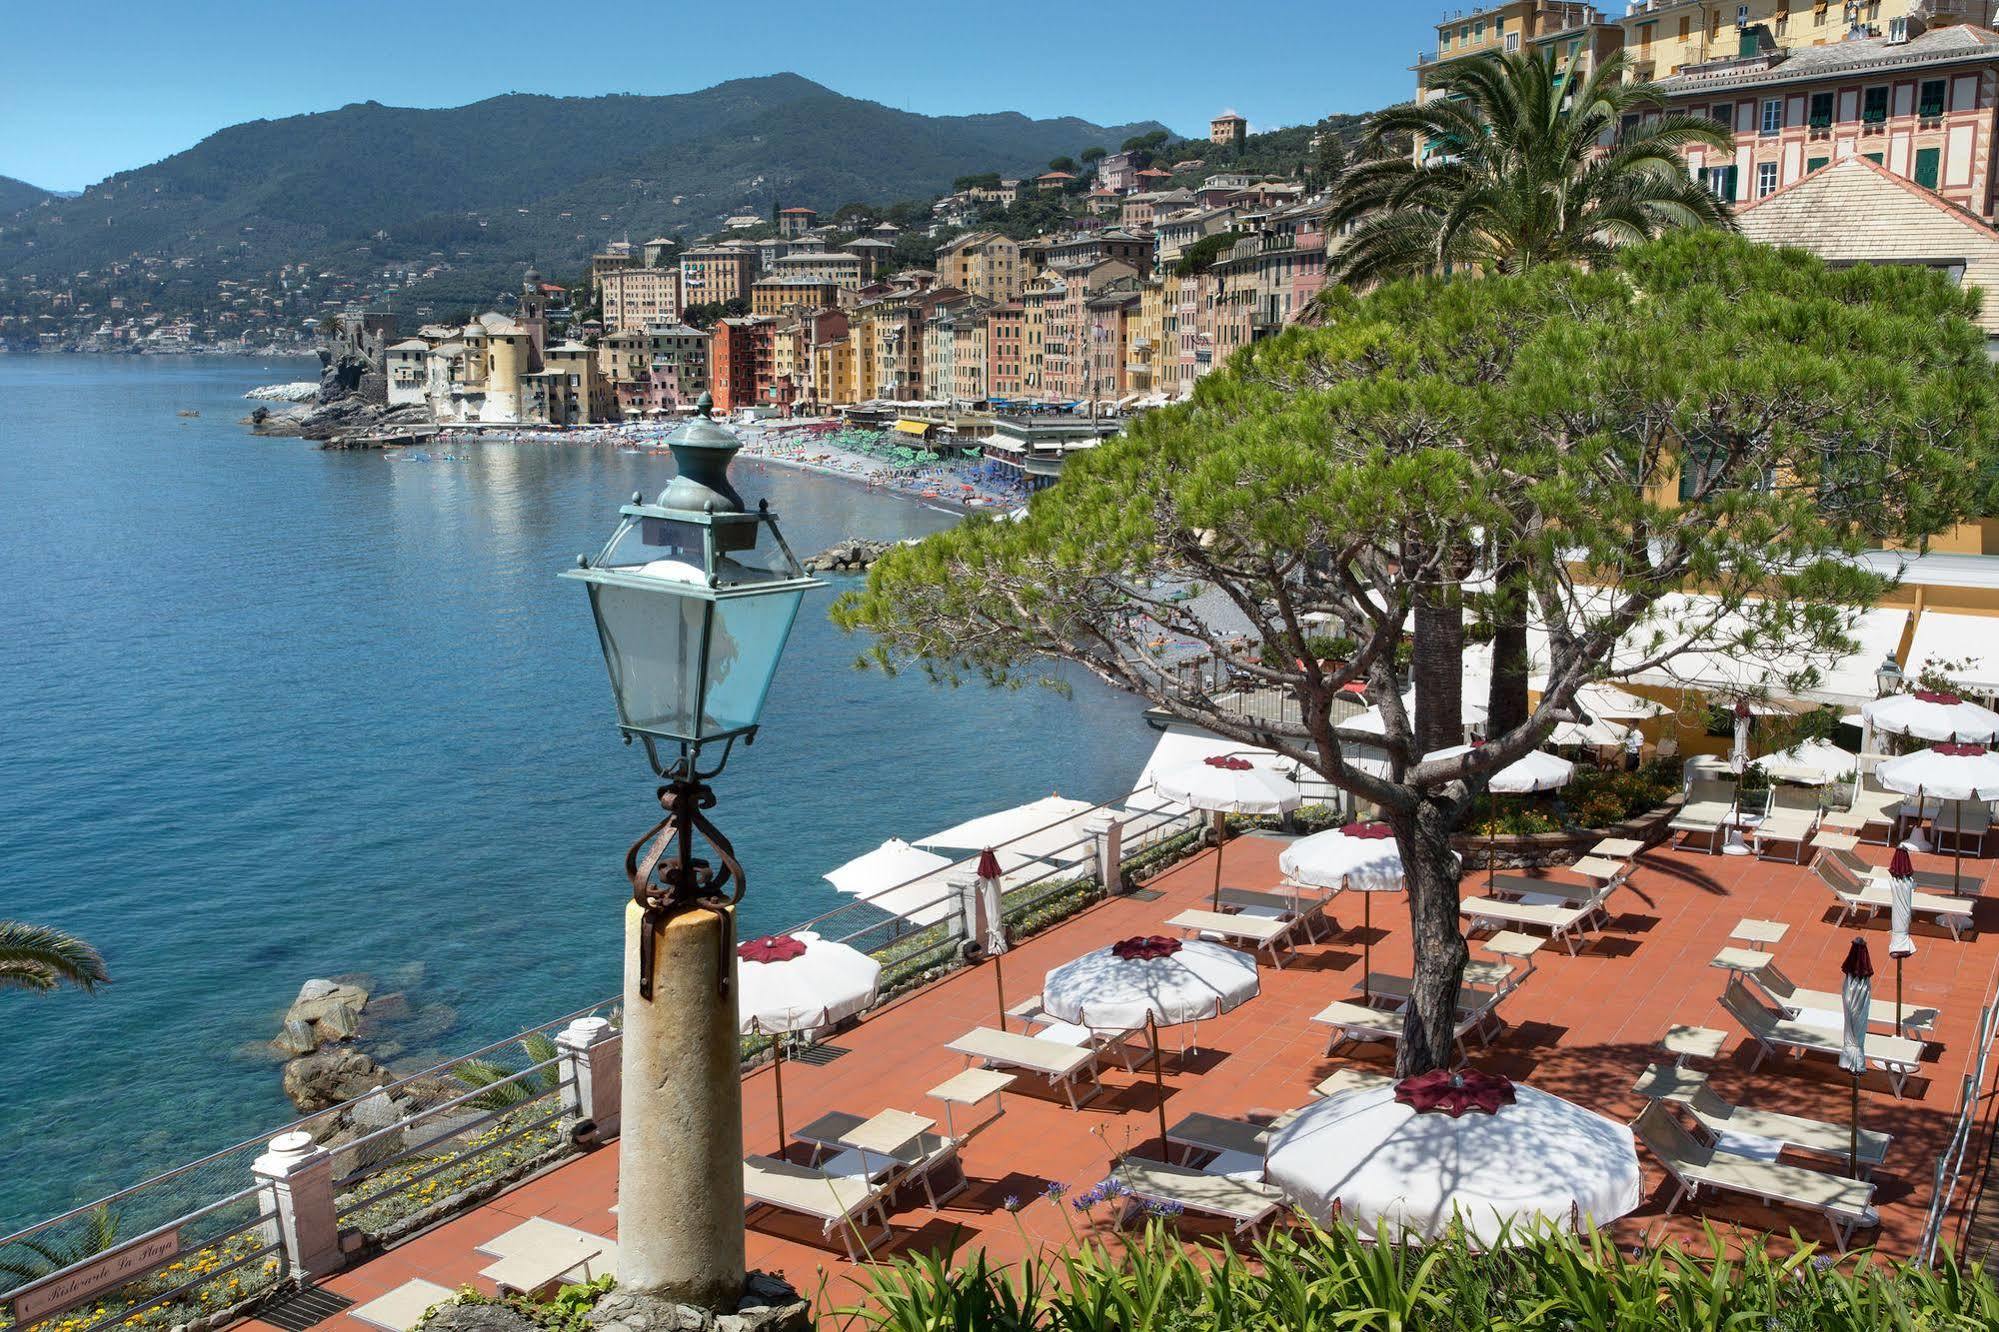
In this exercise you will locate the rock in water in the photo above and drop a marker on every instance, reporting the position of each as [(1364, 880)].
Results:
[(327, 1077), (297, 1038)]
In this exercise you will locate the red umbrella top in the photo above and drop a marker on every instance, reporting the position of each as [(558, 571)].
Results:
[(989, 866), (771, 948), (1858, 965), (1144, 948), (1228, 762), (1455, 1093), (1372, 832), (1954, 750), (1899, 864), (1939, 696)]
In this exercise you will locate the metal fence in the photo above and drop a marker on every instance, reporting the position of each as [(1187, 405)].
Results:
[(1951, 1162)]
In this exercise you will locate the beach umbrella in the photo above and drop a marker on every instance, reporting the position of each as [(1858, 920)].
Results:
[(1929, 714), (1812, 758), (799, 982), (993, 939), (1405, 1158), (1949, 771), (1537, 770), (1738, 754), (1901, 910), (1856, 993), (1153, 982), (1225, 784), (1048, 827), (899, 879), (1356, 857)]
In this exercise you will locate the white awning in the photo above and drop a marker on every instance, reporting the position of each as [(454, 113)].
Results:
[(1051, 827), (1944, 636)]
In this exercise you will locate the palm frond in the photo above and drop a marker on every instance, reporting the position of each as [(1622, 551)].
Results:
[(40, 957)]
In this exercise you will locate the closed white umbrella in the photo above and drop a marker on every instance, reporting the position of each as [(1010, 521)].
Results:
[(993, 938), (1738, 754), (1225, 784), (1357, 857), (1404, 1159), (1856, 993), (1954, 771), (1150, 981), (1931, 715), (1901, 911), (799, 982)]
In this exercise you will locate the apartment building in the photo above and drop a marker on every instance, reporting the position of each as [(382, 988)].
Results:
[(712, 274), (1110, 315), (982, 263), (874, 255), (739, 361), (1005, 326), (954, 363), (796, 221), (1228, 129), (633, 298), (1112, 245), (677, 356), (1560, 27), (1921, 104), (1068, 343), (1172, 235), (779, 295), (836, 267)]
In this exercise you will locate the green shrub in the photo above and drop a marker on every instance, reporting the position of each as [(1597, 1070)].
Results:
[(1312, 1278)]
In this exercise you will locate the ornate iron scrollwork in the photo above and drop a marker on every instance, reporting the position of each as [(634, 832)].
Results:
[(668, 878)]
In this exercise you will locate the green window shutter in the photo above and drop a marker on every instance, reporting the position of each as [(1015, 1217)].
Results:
[(1875, 158), (1815, 163), (1728, 183), (1927, 160), (1930, 103)]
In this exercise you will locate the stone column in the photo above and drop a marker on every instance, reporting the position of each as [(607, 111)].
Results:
[(964, 924), (1107, 848), (680, 1163), (296, 1175), (590, 1053)]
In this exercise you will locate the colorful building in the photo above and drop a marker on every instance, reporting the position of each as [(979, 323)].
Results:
[(632, 298), (714, 274)]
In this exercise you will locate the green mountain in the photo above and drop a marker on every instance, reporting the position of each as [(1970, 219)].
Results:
[(486, 187), (18, 194)]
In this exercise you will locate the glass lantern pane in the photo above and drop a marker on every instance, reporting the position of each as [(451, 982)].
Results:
[(748, 639), (652, 647)]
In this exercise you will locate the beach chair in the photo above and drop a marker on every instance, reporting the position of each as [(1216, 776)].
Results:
[(1871, 807), (1351, 1079), (1846, 1204), (1940, 881), (1917, 1022), (835, 1201), (1607, 877), (1476, 1002), (1564, 923), (539, 1254), (1730, 1124), (914, 1164), (1897, 1056), (1218, 1136), (1964, 822), (1790, 821), (1870, 897), (1709, 806), (1270, 937), (1358, 1024), (1046, 1027), (1060, 1064), (1307, 908), (1244, 1203)]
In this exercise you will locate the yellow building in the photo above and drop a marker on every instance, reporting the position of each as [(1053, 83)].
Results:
[(983, 264), (779, 295), (1663, 37), (1560, 27), (833, 376), (1040, 302)]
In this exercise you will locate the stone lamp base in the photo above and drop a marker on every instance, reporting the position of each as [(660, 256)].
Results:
[(768, 1304)]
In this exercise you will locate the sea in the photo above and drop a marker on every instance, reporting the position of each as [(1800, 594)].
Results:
[(269, 713)]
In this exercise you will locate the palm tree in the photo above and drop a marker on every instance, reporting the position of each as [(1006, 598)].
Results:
[(39, 957), (504, 1095), (32, 1259), (1531, 166)]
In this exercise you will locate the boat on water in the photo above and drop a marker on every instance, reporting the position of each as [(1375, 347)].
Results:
[(187, 411)]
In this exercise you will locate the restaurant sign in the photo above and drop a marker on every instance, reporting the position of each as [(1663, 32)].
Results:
[(107, 1271)]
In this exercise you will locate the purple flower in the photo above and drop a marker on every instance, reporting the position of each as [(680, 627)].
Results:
[(1115, 1188), (1165, 1209), (1010, 1203), (1055, 1190)]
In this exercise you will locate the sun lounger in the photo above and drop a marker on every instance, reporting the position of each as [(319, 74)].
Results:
[(1566, 923), (1846, 1204), (1791, 820), (1729, 1123), (1708, 808), (1244, 1202), (1773, 1032), (539, 1254), (1060, 1064), (1871, 807), (1351, 1079), (835, 1201), (1476, 1002), (1212, 1133), (1267, 936), (1307, 908), (1049, 1028), (1357, 1024), (1917, 1020), (1555, 892), (912, 1163), (1937, 881), (1964, 822), (1869, 897)]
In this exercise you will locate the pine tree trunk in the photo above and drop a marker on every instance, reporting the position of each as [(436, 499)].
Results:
[(1431, 872), (1506, 704), (1437, 662)]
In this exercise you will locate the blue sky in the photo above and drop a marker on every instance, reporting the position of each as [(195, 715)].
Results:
[(97, 86)]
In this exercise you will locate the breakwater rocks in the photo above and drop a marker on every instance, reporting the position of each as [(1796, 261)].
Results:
[(853, 555)]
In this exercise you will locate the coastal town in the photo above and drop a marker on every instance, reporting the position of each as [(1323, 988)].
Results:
[(1509, 584)]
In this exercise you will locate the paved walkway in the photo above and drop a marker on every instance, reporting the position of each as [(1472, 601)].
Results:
[(1582, 1027)]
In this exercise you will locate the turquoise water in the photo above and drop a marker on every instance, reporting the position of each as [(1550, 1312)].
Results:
[(268, 713)]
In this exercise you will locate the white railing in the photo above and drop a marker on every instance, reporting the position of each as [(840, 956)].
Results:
[(1972, 1095)]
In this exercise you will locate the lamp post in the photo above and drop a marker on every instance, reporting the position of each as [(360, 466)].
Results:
[(1888, 676), (694, 598)]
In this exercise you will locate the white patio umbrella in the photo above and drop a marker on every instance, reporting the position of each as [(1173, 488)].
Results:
[(1901, 911), (1044, 827), (1536, 770), (896, 877), (1819, 760), (1488, 1151), (1929, 715), (1951, 771), (1150, 981), (1225, 784), (1856, 993), (1607, 702), (799, 982), (1356, 857)]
